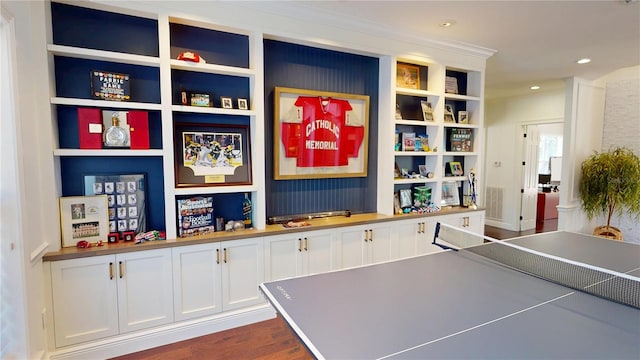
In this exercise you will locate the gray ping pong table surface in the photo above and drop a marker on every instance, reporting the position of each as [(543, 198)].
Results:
[(455, 305)]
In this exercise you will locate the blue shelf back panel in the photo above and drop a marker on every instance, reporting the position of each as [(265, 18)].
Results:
[(103, 30), (73, 78), (217, 85), (74, 169), (68, 127), (216, 47), (303, 67)]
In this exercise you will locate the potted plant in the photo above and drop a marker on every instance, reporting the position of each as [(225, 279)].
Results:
[(610, 184)]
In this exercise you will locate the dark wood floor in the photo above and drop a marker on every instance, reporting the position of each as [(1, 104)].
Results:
[(271, 339)]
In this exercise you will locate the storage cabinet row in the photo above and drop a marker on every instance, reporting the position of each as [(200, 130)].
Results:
[(102, 296)]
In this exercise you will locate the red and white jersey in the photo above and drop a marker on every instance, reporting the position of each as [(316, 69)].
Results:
[(321, 132)]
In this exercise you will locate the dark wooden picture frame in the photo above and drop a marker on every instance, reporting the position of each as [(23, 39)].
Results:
[(212, 154)]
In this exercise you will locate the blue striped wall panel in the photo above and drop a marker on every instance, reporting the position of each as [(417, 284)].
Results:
[(303, 67)]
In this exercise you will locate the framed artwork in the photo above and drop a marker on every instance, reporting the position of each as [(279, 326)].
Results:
[(212, 154), (319, 134), (449, 117), (427, 110), (450, 196), (226, 102), (456, 168), (242, 104), (408, 76), (451, 85), (463, 117), (83, 218), (126, 200)]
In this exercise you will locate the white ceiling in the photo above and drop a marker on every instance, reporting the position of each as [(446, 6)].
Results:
[(537, 42)]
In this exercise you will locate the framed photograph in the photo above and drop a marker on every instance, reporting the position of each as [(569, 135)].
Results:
[(212, 154), (427, 110), (408, 76), (449, 117), (83, 218), (307, 148), (456, 168), (450, 196), (397, 209), (126, 200), (463, 117), (405, 198), (227, 103), (243, 104), (423, 170), (196, 98), (451, 85)]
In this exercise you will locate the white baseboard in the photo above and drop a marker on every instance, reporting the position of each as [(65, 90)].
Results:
[(500, 224), (150, 338)]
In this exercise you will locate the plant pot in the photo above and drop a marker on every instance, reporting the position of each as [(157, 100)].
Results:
[(608, 232)]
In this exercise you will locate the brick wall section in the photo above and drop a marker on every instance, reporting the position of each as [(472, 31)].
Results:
[(622, 128)]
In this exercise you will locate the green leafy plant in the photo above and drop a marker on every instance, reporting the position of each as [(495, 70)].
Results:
[(611, 184)]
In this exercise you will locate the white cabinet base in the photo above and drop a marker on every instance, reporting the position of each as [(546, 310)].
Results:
[(147, 339)]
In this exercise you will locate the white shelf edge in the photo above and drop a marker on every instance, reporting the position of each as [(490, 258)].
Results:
[(106, 152), (105, 103), (415, 122), (414, 181), (215, 190), (415, 92), (211, 68), (456, 125), (212, 110), (461, 97), (459, 153), (415, 153), (102, 55), (454, 178)]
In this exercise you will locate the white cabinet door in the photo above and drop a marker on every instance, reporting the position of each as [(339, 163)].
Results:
[(362, 245), (378, 247), (196, 281), (84, 297), (281, 258), (471, 221), (145, 291), (317, 253), (297, 254), (242, 272)]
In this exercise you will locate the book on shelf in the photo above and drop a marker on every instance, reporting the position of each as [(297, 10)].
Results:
[(195, 216), (460, 140)]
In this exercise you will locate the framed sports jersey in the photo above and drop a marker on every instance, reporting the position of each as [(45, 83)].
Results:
[(212, 154), (320, 134)]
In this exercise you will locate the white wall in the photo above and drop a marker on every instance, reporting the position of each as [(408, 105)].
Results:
[(504, 118), (38, 225), (622, 128)]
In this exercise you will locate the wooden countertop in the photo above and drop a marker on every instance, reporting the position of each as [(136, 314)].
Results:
[(316, 224)]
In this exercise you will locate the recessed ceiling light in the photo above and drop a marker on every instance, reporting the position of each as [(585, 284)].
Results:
[(535, 87), (447, 23), (584, 61)]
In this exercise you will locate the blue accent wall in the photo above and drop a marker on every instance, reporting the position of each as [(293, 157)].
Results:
[(304, 67)]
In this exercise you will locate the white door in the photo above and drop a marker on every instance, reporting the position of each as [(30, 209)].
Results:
[(379, 244), (318, 256), (145, 289), (85, 298), (529, 192), (242, 273), (196, 281), (351, 246), (282, 254)]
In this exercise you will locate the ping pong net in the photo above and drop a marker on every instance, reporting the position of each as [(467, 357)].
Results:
[(605, 283)]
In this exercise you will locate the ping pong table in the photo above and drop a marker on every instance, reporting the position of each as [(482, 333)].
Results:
[(457, 304)]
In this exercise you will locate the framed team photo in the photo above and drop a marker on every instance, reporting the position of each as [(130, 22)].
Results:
[(320, 134), (212, 155), (83, 218)]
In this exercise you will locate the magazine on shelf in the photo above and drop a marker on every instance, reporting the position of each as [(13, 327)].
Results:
[(459, 139), (195, 216)]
